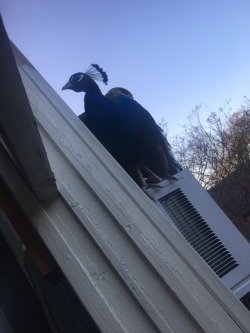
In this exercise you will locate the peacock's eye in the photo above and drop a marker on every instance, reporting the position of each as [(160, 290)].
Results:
[(79, 77)]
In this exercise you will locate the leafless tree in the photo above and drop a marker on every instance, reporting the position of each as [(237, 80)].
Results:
[(214, 148), (217, 152)]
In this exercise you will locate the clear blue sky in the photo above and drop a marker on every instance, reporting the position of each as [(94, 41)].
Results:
[(171, 54)]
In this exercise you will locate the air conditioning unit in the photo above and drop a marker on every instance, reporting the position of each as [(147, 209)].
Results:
[(206, 227)]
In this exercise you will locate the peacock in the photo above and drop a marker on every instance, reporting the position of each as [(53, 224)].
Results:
[(156, 159), (125, 129)]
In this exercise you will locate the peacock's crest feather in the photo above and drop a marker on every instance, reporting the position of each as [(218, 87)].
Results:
[(97, 73)]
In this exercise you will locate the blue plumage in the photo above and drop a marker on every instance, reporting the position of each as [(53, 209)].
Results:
[(116, 130), (125, 128)]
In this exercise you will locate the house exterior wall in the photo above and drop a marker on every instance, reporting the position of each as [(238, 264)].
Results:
[(130, 268)]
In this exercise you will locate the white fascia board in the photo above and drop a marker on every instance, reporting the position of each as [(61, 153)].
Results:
[(131, 269)]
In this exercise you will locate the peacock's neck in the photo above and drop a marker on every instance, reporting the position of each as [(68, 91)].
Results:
[(93, 100), (92, 87)]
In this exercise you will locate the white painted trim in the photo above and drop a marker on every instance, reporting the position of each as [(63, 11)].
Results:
[(18, 125), (130, 268)]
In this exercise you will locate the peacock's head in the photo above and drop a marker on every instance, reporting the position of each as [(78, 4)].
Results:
[(85, 81), (77, 82)]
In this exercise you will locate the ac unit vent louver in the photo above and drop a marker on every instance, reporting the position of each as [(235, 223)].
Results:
[(197, 232)]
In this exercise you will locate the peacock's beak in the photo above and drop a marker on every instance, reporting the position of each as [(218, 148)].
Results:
[(68, 85)]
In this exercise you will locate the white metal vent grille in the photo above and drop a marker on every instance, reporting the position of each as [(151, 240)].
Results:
[(197, 232)]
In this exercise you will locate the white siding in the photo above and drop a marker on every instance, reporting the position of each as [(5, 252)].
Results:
[(130, 268)]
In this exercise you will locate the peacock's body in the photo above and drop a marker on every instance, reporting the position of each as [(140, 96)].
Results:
[(125, 128)]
